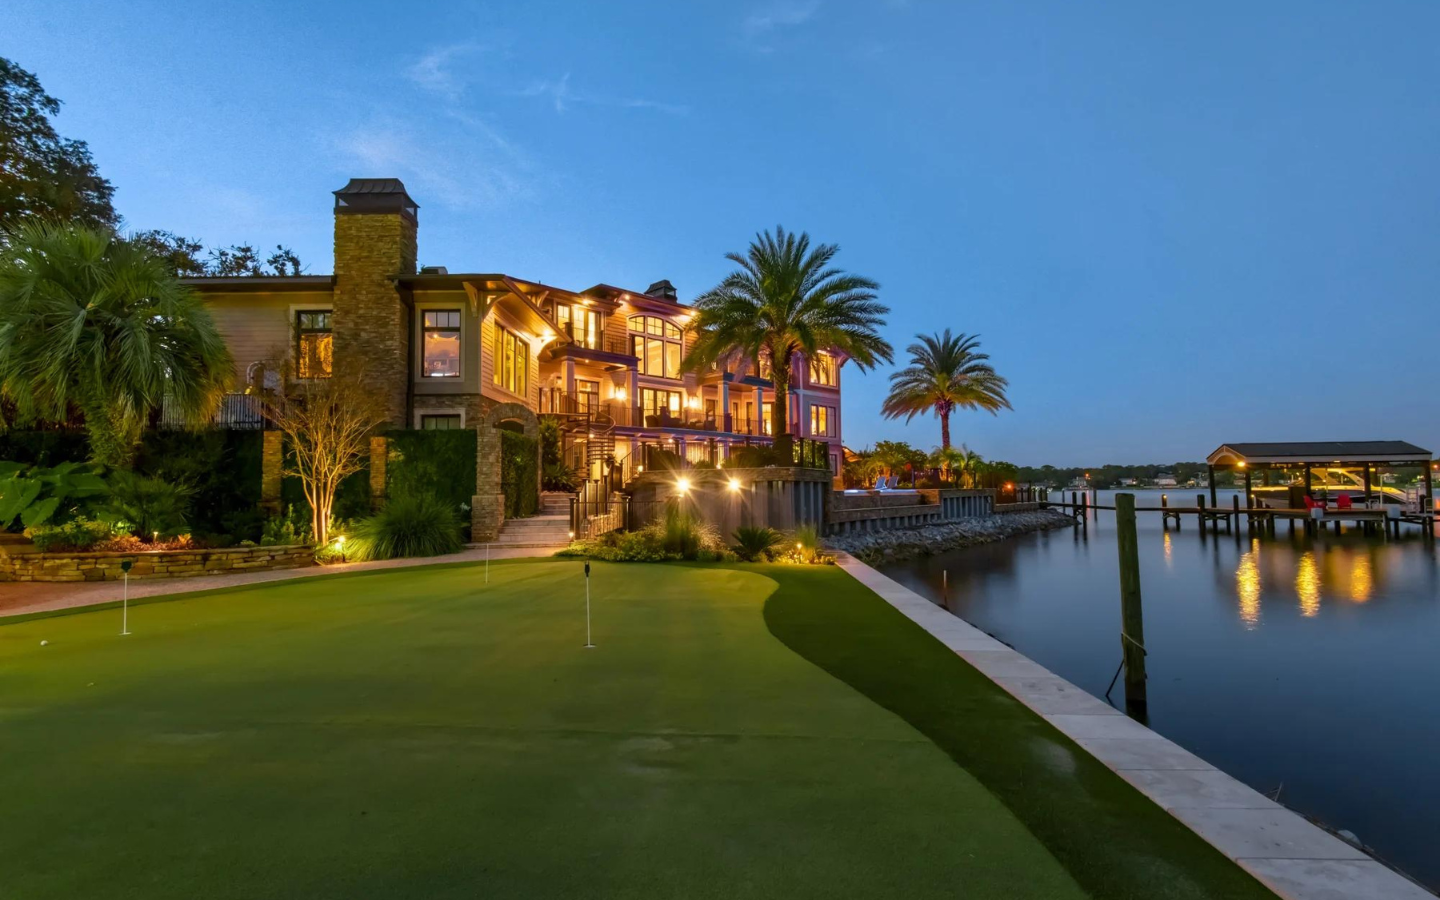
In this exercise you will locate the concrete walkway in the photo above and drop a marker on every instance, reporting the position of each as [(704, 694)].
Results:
[(30, 597), (1295, 859)]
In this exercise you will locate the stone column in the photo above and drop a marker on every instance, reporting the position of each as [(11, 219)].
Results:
[(272, 461), (379, 451)]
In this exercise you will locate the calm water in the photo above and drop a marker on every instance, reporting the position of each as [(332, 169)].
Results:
[(1309, 665)]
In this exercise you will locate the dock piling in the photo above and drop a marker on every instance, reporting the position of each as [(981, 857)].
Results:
[(1132, 623)]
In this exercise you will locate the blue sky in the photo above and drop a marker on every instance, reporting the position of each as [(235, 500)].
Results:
[(1172, 226)]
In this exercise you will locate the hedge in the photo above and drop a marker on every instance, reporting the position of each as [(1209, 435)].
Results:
[(519, 477), (439, 463)]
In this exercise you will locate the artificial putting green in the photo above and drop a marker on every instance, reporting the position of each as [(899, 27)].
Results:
[(750, 731)]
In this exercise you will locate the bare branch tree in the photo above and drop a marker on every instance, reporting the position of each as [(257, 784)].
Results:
[(327, 423)]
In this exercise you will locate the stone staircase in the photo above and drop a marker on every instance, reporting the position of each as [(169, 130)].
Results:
[(551, 528)]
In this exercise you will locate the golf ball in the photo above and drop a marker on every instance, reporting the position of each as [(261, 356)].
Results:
[(43, 643)]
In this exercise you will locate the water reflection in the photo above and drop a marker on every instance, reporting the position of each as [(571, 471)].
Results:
[(1361, 580), (1247, 584), (1307, 584)]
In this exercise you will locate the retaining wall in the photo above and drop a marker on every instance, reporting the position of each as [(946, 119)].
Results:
[(851, 512), (33, 565)]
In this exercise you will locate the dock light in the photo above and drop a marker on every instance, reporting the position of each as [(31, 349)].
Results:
[(734, 484), (682, 484), (1240, 465)]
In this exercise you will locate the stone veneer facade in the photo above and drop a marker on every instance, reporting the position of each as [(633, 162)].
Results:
[(36, 566), (371, 321)]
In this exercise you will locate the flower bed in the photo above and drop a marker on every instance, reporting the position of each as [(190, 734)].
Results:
[(21, 565)]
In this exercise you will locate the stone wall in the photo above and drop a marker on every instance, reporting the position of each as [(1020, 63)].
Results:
[(773, 497), (35, 566), (867, 511), (370, 322)]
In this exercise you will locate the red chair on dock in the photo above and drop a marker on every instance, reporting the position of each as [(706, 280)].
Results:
[(1344, 502)]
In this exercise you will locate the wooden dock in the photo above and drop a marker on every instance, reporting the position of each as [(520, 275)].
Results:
[(1264, 519)]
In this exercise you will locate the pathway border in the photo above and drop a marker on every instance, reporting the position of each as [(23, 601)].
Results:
[(19, 598), (1294, 858)]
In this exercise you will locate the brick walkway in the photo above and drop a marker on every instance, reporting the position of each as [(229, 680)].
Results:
[(18, 599)]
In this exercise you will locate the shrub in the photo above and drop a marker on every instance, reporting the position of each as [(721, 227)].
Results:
[(435, 462), (658, 459), (409, 525), (560, 477), (280, 531), (752, 457), (683, 536), (37, 495), (146, 507), (807, 543), (79, 534), (754, 542)]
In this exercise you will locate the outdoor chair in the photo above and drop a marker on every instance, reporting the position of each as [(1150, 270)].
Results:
[(882, 483), (1344, 502)]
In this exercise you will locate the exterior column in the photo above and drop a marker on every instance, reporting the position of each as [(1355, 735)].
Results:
[(759, 422), (569, 377), (725, 405), (272, 459)]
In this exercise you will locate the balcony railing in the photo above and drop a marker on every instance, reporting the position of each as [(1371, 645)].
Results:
[(237, 412)]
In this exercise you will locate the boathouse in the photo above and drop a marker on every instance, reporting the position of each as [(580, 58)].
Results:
[(1345, 466)]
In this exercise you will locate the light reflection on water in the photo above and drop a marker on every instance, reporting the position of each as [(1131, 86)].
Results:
[(1307, 662)]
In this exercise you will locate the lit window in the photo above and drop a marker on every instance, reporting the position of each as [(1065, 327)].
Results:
[(441, 344), (579, 324), (656, 344), (587, 394), (446, 422), (314, 344), (659, 404), (822, 370), (821, 418), (511, 361), (765, 424)]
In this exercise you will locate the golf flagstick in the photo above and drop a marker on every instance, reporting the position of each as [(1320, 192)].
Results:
[(589, 645), (125, 597)]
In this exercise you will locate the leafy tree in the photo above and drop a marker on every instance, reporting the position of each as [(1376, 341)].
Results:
[(94, 321), (186, 257), (38, 495), (41, 173), (787, 299), (945, 373), (897, 457), (327, 423)]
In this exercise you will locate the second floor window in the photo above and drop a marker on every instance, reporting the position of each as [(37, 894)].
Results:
[(656, 344), (441, 344), (660, 404), (579, 324), (822, 418), (512, 361), (822, 370), (314, 344)]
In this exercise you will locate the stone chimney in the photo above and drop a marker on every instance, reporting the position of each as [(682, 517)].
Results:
[(375, 233)]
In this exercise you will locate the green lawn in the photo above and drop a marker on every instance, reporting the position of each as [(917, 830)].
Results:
[(755, 731)]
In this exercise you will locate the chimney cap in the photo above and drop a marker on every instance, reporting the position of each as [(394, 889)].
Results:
[(375, 195), (662, 288)]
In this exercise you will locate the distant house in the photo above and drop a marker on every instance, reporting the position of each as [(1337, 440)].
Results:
[(1165, 479), (1129, 482)]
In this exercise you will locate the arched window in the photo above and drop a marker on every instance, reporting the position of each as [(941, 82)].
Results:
[(656, 343)]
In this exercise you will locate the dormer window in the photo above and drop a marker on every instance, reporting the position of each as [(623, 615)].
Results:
[(656, 343)]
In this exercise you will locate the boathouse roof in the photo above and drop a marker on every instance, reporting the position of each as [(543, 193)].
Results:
[(1319, 453)]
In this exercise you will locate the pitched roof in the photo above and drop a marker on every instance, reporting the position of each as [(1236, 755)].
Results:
[(1319, 451)]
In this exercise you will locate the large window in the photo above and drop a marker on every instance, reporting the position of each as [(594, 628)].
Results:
[(314, 344), (440, 352), (579, 324), (440, 422), (512, 361), (822, 419), (656, 343), (660, 403), (765, 423), (822, 370)]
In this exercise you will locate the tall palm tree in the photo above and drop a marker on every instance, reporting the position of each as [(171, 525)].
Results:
[(946, 373), (91, 320), (785, 299)]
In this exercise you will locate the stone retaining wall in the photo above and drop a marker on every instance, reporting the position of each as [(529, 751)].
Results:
[(36, 566), (1003, 508)]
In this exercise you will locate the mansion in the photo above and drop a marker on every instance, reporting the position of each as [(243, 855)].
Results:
[(444, 348)]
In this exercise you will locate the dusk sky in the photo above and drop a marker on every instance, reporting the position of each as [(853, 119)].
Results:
[(1172, 227)]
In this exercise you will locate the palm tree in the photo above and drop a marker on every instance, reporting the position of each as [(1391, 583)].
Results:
[(950, 462), (945, 373), (783, 300), (93, 321)]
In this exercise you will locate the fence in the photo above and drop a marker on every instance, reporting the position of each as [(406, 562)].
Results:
[(237, 412)]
